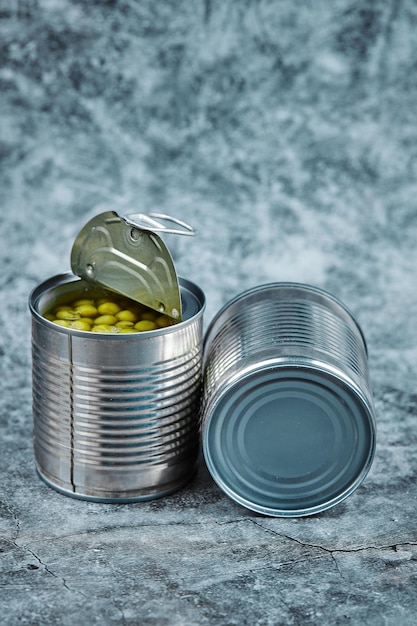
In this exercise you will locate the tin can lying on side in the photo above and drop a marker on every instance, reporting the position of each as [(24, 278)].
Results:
[(288, 417), (116, 416)]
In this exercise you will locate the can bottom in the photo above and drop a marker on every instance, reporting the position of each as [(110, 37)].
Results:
[(289, 442), (137, 496)]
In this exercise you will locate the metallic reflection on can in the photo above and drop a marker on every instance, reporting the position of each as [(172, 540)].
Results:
[(115, 415), (288, 418)]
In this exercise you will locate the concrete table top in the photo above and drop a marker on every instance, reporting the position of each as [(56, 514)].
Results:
[(286, 134)]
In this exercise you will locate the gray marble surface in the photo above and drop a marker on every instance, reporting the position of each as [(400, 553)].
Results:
[(286, 133)]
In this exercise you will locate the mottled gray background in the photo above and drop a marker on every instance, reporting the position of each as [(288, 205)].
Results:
[(286, 134)]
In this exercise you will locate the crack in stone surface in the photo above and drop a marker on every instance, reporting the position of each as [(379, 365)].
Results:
[(187, 524), (332, 551), (179, 524), (337, 566), (47, 569)]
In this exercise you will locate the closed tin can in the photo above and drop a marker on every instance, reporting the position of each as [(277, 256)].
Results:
[(116, 416), (288, 420)]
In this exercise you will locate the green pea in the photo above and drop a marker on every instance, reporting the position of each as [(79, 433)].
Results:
[(64, 323), (102, 328), (67, 314), (124, 324), (127, 316), (145, 325), (105, 319), (81, 325), (87, 310), (163, 320), (109, 308), (83, 302)]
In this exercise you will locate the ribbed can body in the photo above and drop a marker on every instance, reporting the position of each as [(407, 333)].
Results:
[(115, 416), (288, 418)]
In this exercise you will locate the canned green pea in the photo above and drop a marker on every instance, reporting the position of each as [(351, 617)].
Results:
[(116, 408)]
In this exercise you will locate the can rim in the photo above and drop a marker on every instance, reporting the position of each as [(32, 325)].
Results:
[(365, 414), (68, 278)]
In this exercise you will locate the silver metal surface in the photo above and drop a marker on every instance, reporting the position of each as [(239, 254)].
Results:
[(160, 223), (287, 417), (116, 417), (128, 257)]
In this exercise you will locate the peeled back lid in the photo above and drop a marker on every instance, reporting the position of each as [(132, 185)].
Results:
[(126, 255)]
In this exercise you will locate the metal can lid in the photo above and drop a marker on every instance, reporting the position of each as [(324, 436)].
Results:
[(126, 255), (289, 441)]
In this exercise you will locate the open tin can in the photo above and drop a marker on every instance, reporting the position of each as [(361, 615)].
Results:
[(287, 418), (116, 416), (286, 414)]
